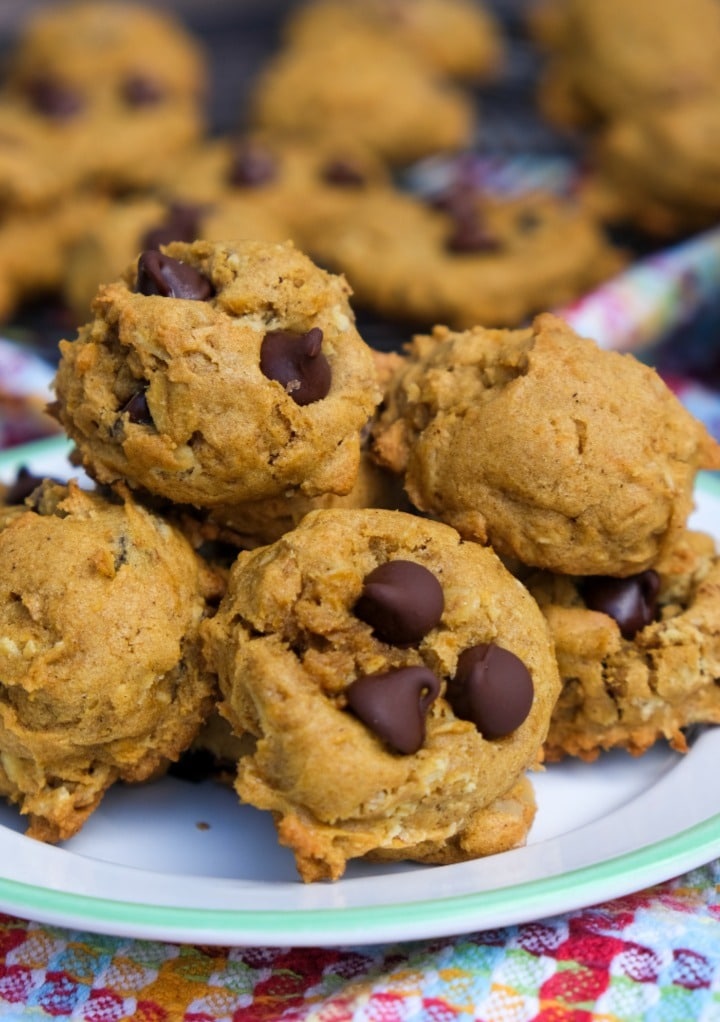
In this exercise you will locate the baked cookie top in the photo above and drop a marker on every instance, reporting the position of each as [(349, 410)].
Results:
[(459, 38), (558, 453), (100, 604), (214, 373), (347, 649), (396, 106), (469, 259)]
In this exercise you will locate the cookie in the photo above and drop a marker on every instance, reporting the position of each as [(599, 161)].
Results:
[(290, 179), (457, 38), (84, 706), (395, 105), (615, 58), (397, 683), (107, 242), (639, 657), (559, 453), (468, 260), (215, 373)]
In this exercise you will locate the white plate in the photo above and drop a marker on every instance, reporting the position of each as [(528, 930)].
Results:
[(185, 862)]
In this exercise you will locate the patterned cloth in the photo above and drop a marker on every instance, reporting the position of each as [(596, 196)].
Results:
[(648, 957)]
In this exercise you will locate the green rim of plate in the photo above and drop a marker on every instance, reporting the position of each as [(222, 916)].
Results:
[(509, 905)]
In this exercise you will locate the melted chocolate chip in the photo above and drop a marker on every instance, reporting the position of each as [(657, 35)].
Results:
[(182, 223), (158, 274), (344, 173), (402, 601), (140, 90), (53, 98), (528, 221), (24, 484), (394, 705), (252, 165), (632, 601), (138, 410), (492, 688), (296, 361)]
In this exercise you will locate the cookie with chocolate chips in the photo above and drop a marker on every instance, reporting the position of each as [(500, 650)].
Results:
[(462, 258), (215, 373), (397, 683), (102, 678), (558, 453), (639, 657)]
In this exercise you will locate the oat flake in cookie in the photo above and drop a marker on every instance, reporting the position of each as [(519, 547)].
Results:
[(397, 682), (215, 373), (102, 679)]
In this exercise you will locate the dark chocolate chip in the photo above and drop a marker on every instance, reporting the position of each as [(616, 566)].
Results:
[(24, 484), (53, 98), (296, 361), (181, 223), (140, 90), (394, 704), (492, 688), (632, 601), (528, 221), (470, 232), (344, 173), (158, 274), (137, 409), (402, 601), (252, 165)]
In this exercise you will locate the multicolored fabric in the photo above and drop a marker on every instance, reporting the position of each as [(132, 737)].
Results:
[(648, 957)]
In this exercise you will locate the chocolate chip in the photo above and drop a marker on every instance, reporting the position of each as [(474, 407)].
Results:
[(470, 232), (632, 601), (252, 165), (140, 90), (158, 274), (182, 223), (24, 484), (296, 361), (138, 410), (344, 173), (54, 98), (492, 688), (528, 221), (402, 601), (394, 704)]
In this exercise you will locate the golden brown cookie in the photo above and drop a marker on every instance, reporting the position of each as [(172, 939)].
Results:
[(558, 453), (458, 38), (215, 373), (469, 260), (100, 604), (639, 657), (369, 85), (397, 682)]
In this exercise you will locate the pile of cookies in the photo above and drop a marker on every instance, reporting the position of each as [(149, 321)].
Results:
[(644, 79), (388, 661)]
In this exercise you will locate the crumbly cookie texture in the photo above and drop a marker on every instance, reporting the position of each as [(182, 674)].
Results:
[(639, 658), (102, 679), (352, 687), (459, 38), (254, 384), (469, 259), (558, 453), (396, 106)]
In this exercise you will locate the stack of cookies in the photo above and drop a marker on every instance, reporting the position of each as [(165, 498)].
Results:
[(644, 78), (375, 580)]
